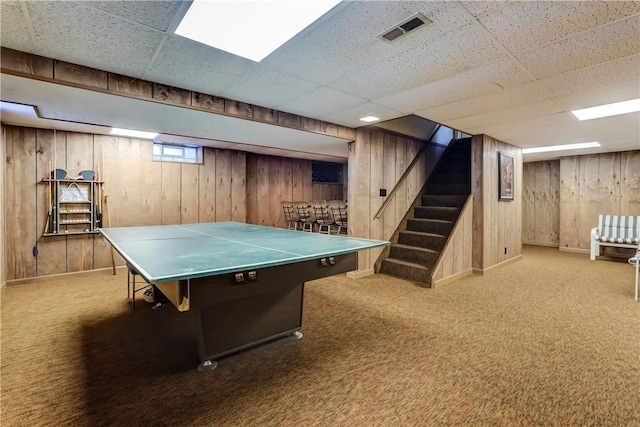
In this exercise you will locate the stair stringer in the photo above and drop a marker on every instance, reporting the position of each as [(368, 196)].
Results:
[(402, 225), (455, 259)]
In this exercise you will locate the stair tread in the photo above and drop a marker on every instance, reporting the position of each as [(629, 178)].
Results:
[(434, 220), (422, 233), (450, 208), (406, 263), (417, 248)]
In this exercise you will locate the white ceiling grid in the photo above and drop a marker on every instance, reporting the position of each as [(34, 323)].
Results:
[(510, 69)]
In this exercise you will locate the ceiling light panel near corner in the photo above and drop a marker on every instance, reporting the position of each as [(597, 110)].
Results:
[(252, 29), (405, 26)]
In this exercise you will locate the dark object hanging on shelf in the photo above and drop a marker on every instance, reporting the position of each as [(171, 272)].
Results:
[(87, 175), (59, 174)]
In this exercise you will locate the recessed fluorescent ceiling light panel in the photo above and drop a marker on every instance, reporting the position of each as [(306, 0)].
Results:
[(369, 119), (250, 28), (133, 133), (607, 110), (560, 147)]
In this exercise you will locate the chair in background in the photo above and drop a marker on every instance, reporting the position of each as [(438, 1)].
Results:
[(339, 213), (306, 216), (324, 218), (290, 215)]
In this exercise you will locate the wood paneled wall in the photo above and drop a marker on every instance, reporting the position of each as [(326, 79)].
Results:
[(497, 225), (541, 203), (607, 183), (138, 191), (3, 216), (271, 180), (378, 160)]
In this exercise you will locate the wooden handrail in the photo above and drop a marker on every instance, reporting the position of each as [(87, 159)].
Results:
[(404, 176), (400, 182)]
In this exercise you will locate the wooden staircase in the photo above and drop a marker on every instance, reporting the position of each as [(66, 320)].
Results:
[(416, 246)]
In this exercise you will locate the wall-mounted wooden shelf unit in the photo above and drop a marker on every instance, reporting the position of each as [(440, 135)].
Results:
[(74, 207)]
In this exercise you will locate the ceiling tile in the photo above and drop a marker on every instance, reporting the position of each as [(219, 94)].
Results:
[(154, 14), (351, 116), (508, 98), (599, 76), (348, 42), (529, 24), (477, 8), (460, 50), (183, 63), (472, 83), (267, 87), (322, 101), (14, 32), (600, 96), (506, 115), (602, 44), (78, 34)]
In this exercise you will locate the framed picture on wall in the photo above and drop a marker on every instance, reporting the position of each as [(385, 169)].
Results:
[(505, 180)]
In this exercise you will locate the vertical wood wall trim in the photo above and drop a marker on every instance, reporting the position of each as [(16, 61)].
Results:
[(3, 216), (478, 191)]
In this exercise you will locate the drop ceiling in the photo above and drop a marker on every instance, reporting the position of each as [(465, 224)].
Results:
[(509, 69)]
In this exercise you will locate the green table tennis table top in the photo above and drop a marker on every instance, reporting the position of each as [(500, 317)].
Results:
[(186, 251)]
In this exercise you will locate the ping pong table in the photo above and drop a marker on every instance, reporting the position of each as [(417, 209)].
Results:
[(242, 283)]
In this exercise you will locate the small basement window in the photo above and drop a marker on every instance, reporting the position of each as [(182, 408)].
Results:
[(326, 172), (177, 153)]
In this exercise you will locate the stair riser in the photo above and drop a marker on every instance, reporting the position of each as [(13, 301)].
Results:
[(458, 157), (434, 212), (415, 256), (443, 200), (451, 179), (406, 272), (448, 189), (429, 227), (435, 243)]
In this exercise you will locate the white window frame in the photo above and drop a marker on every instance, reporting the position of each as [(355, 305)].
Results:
[(176, 153)]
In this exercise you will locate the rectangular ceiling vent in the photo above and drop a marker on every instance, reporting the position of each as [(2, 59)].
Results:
[(405, 27)]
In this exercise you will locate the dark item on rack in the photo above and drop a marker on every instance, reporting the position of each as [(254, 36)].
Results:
[(87, 175), (59, 174)]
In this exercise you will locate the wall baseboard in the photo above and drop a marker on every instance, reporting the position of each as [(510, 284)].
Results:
[(576, 250), (39, 279), (500, 264), (357, 274), (452, 278), (550, 245)]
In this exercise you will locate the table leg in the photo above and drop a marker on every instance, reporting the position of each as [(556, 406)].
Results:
[(637, 268), (207, 365)]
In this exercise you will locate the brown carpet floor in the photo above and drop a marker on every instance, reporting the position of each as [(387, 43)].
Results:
[(551, 340)]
